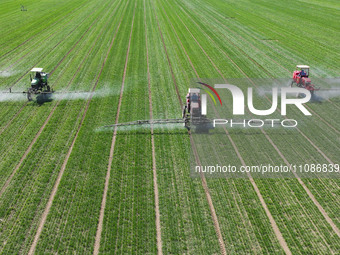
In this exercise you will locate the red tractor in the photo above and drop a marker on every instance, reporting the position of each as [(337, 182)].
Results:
[(302, 80)]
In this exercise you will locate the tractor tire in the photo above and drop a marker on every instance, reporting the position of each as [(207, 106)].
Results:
[(184, 112), (48, 88), (29, 96)]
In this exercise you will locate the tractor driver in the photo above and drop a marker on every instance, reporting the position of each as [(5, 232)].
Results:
[(37, 75), (302, 73), (188, 102)]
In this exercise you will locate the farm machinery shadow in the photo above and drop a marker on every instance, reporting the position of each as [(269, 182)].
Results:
[(43, 98)]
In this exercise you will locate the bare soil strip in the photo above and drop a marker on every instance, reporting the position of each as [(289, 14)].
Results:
[(20, 110), (271, 219), (204, 183), (154, 167), (56, 185), (318, 149), (40, 130), (107, 179), (313, 144), (251, 45), (210, 202), (311, 196), (11, 120)]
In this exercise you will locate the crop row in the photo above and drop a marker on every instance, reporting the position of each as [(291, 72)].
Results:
[(23, 129), (324, 141), (106, 52), (78, 212), (238, 139), (31, 186)]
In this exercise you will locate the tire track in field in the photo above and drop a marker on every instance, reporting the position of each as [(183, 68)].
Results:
[(261, 51), (56, 185), (154, 166), (41, 129), (32, 114), (11, 120), (51, 73), (263, 203), (21, 109), (81, 64), (315, 146), (256, 63), (311, 196), (113, 142), (204, 183), (43, 126)]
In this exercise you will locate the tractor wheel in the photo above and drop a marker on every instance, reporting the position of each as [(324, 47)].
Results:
[(48, 88), (29, 96), (184, 112), (312, 94)]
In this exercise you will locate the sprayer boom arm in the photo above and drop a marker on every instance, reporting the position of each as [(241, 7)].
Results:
[(143, 122)]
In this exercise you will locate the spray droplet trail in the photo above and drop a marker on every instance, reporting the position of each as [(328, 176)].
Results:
[(6, 97)]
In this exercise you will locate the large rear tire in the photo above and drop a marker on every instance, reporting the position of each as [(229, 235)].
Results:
[(29, 96), (184, 112)]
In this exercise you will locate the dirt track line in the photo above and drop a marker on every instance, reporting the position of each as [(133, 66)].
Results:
[(51, 86), (204, 183), (56, 185), (250, 58), (323, 120), (321, 209), (170, 66), (254, 47), (264, 205), (210, 202), (315, 146), (27, 151), (11, 120), (154, 167), (107, 179), (276, 229), (36, 136), (311, 196)]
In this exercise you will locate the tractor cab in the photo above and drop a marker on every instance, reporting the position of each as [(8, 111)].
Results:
[(301, 74), (301, 71), (301, 78), (192, 112), (195, 102), (39, 79), (39, 83)]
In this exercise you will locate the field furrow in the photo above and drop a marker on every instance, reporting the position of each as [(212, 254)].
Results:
[(105, 165)]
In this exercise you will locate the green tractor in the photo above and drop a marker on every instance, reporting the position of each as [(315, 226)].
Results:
[(39, 84)]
